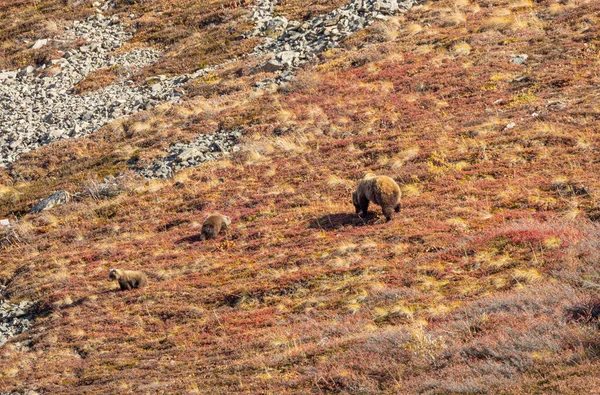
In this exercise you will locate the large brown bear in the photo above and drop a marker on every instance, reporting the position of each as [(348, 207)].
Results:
[(213, 225), (128, 279), (381, 190)]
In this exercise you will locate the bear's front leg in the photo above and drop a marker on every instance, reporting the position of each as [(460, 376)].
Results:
[(364, 205)]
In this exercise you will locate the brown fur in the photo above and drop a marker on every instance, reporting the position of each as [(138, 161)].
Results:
[(213, 225), (128, 279), (381, 190)]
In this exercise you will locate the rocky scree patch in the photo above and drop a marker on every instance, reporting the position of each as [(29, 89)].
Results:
[(15, 318), (203, 148), (292, 43), (38, 106)]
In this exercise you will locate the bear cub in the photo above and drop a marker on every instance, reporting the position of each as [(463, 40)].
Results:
[(128, 279), (213, 225)]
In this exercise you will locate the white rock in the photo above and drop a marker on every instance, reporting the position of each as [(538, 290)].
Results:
[(8, 75), (519, 59), (40, 43), (288, 57)]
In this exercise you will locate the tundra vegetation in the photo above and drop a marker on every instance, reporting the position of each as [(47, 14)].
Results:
[(487, 280)]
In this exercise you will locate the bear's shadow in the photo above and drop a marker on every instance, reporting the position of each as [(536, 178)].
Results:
[(196, 238), (190, 239), (338, 221)]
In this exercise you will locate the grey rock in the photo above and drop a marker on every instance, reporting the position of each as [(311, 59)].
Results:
[(57, 198), (8, 75), (519, 59), (40, 43), (27, 70), (388, 6), (276, 24), (288, 57), (192, 152), (271, 66), (15, 318)]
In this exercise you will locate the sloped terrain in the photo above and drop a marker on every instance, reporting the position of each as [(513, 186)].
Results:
[(486, 282)]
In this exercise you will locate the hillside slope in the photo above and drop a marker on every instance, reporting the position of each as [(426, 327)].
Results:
[(486, 282)]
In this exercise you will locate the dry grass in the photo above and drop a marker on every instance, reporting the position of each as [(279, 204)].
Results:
[(97, 80), (461, 49)]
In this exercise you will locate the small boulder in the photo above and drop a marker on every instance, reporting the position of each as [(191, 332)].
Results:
[(519, 59), (386, 6), (56, 199), (288, 58), (8, 75), (40, 43), (188, 154), (270, 66)]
